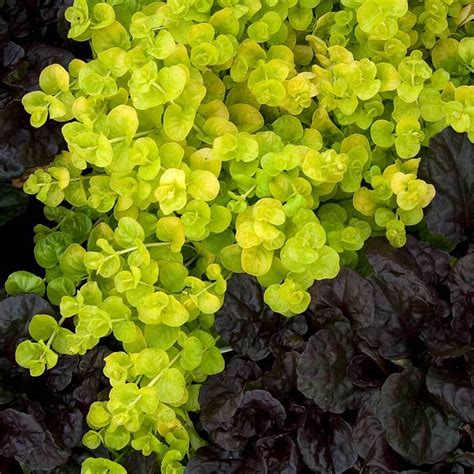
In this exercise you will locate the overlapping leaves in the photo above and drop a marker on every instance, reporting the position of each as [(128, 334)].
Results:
[(32, 36), (393, 346), (208, 139), (448, 166), (42, 420)]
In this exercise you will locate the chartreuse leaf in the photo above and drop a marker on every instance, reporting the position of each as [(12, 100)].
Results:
[(127, 232), (178, 121), (171, 386), (171, 229), (95, 465), (35, 356), (171, 192), (203, 185), (42, 327), (54, 79), (256, 260), (122, 121), (24, 282), (59, 287), (150, 362), (71, 262)]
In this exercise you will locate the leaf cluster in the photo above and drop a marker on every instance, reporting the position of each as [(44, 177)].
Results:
[(376, 376), (124, 284), (32, 35), (447, 164), (42, 420), (213, 119), (209, 138)]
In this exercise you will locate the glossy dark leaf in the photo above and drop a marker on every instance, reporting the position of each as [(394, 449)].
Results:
[(23, 438), (281, 380), (290, 337), (8, 392), (386, 331), (15, 315), (352, 294), (60, 376), (245, 321), (369, 438), (442, 341), (22, 147), (66, 424), (322, 368), (447, 468), (426, 262), (47, 455), (280, 454), (410, 304), (326, 444), (222, 394), (30, 18), (364, 372), (12, 202), (448, 165), (86, 392), (20, 434), (139, 464), (406, 276), (415, 428), (461, 284), (452, 383), (211, 460), (466, 459), (259, 414)]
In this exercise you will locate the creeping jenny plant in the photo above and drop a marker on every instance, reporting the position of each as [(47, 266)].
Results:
[(212, 137)]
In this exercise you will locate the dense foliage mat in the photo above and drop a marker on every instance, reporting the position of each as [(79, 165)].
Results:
[(448, 166), (206, 139), (33, 34), (375, 376), (42, 420)]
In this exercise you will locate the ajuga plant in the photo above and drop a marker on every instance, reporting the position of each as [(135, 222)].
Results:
[(210, 138), (375, 377)]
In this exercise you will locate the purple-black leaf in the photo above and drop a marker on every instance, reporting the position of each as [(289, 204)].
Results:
[(15, 315), (364, 372), (246, 322), (280, 454), (12, 202), (415, 428), (259, 414), (369, 438), (326, 444), (23, 438), (406, 280), (450, 168), (352, 294), (222, 394), (452, 383), (281, 380), (461, 285), (211, 460), (322, 369)]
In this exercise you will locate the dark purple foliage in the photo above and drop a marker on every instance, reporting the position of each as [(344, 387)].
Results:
[(377, 376), (33, 34), (42, 420), (449, 167)]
